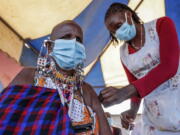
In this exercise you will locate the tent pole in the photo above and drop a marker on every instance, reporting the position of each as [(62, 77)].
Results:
[(17, 34), (13, 30), (138, 5)]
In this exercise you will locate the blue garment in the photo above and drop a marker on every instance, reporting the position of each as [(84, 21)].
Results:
[(27, 110)]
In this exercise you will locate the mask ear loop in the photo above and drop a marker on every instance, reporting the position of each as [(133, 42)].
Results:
[(132, 21), (126, 17)]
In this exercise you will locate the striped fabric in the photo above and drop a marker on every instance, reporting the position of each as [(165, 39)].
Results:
[(31, 110)]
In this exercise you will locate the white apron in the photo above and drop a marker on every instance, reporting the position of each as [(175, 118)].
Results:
[(161, 114)]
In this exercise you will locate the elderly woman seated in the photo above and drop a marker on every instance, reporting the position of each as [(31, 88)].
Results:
[(53, 99)]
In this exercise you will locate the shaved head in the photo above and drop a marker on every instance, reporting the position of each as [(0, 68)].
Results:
[(67, 30)]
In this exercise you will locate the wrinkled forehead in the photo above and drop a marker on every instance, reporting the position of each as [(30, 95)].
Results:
[(66, 28)]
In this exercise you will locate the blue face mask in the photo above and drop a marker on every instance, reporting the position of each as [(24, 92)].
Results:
[(126, 32), (68, 54)]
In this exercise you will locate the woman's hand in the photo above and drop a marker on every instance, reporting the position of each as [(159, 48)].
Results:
[(111, 95), (127, 118)]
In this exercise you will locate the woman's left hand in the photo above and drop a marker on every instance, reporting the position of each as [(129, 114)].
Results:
[(111, 95)]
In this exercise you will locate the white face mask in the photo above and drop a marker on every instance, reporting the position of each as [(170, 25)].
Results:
[(126, 32)]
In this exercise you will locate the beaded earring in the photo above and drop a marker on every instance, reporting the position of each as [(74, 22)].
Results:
[(44, 64)]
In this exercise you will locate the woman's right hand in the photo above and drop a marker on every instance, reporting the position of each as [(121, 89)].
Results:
[(127, 118)]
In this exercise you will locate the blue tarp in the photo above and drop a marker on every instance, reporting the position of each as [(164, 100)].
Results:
[(173, 11), (28, 57)]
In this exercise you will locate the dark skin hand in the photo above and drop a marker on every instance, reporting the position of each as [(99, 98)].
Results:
[(129, 116), (111, 95), (69, 30)]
